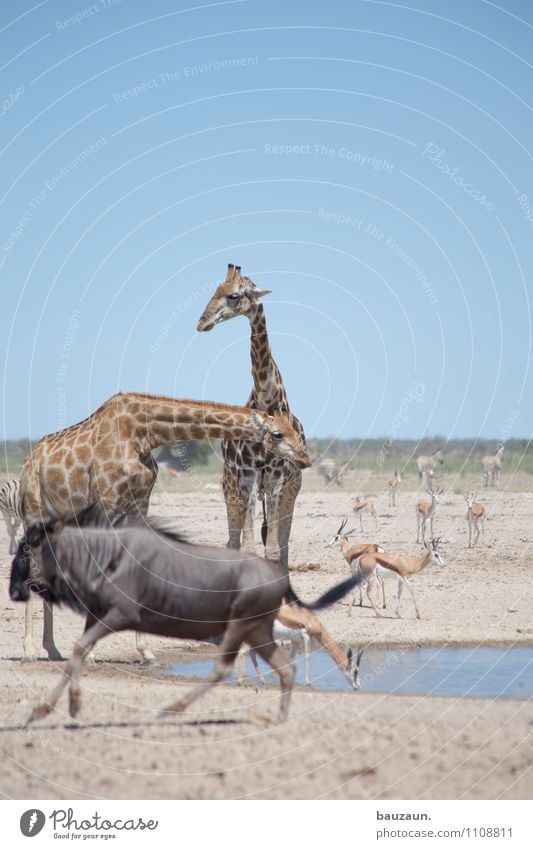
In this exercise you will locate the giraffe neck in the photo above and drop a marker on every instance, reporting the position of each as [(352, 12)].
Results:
[(158, 420), (269, 391)]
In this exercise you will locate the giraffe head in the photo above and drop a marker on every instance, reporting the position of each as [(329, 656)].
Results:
[(280, 438), (237, 295)]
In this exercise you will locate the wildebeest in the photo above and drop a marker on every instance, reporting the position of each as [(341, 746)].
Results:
[(150, 579)]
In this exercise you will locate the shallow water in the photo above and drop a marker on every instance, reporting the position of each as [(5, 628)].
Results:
[(484, 672)]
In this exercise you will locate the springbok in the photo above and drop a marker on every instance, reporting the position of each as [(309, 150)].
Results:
[(149, 579), (475, 517), (291, 620), (364, 505), (352, 555), (425, 510), (492, 467), (376, 563), (427, 464), (394, 488)]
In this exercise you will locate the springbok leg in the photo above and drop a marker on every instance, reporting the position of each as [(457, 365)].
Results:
[(278, 659)]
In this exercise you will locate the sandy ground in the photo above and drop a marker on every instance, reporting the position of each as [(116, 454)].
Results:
[(336, 745)]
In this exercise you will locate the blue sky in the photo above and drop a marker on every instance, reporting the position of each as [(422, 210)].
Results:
[(366, 161)]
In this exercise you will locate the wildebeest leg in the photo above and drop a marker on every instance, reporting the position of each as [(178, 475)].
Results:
[(261, 640), (236, 633), (71, 673)]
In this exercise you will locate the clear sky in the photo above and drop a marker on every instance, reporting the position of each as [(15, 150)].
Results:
[(367, 161)]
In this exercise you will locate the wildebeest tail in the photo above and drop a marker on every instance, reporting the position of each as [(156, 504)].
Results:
[(329, 598)]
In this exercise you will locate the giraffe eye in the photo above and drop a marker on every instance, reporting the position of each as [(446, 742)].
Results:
[(234, 297), (277, 434)]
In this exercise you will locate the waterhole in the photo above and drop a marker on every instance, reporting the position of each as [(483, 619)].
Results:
[(479, 672)]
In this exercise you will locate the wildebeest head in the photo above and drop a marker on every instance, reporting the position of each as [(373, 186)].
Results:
[(26, 573)]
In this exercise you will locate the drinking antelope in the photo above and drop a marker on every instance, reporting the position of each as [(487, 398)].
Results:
[(475, 517), (302, 627), (147, 578), (377, 563), (364, 505), (492, 467), (394, 488), (425, 510), (352, 554)]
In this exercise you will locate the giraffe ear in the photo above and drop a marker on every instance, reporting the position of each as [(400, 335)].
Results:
[(258, 421), (255, 293)]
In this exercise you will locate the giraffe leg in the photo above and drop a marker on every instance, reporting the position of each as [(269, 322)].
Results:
[(247, 492), (230, 487), (289, 494), (48, 632), (28, 645)]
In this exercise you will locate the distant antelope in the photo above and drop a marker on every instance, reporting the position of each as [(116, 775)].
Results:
[(425, 510), (364, 505), (492, 466), (475, 517), (425, 464), (375, 564), (394, 488), (352, 554), (329, 470)]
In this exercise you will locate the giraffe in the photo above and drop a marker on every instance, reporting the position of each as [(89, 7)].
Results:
[(106, 460), (247, 468)]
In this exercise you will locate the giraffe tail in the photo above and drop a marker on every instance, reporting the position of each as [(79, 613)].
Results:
[(264, 526)]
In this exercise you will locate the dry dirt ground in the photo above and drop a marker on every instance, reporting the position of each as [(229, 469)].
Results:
[(336, 744)]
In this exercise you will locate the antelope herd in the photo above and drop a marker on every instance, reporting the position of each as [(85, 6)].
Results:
[(83, 501)]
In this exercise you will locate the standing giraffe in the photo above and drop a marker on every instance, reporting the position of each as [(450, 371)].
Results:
[(106, 460), (247, 468)]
